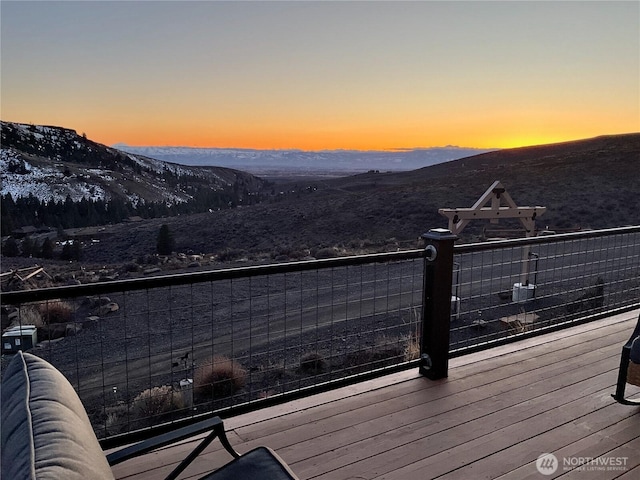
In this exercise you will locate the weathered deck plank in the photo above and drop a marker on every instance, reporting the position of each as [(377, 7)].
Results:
[(494, 415)]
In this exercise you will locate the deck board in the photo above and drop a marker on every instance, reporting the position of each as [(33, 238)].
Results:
[(495, 414), (601, 442)]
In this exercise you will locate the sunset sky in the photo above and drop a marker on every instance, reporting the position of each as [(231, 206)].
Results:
[(323, 75)]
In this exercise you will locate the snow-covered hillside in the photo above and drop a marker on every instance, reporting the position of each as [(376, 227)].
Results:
[(54, 163), (46, 182)]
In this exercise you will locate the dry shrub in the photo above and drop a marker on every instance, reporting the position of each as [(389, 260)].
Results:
[(518, 326), (231, 254), (115, 419), (56, 311), (28, 315), (220, 378), (326, 253), (312, 363), (411, 347), (156, 401), (266, 394), (412, 340)]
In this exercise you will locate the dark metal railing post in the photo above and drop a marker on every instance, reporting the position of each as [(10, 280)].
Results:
[(436, 303)]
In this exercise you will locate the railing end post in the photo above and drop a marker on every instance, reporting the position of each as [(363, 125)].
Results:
[(436, 303)]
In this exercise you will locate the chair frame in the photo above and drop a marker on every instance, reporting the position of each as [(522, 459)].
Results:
[(622, 371), (214, 426)]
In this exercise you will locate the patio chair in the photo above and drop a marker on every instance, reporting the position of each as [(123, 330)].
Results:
[(46, 433), (629, 371)]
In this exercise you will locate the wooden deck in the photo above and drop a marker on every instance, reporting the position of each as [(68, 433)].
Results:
[(495, 414)]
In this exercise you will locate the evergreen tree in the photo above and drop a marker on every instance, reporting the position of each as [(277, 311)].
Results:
[(72, 250), (47, 248), (66, 251), (27, 247), (165, 244), (7, 209), (71, 217), (10, 248), (76, 250)]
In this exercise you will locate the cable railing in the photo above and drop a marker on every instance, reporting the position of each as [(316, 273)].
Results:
[(569, 278), (152, 353)]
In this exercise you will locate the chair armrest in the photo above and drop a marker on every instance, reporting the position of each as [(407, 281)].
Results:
[(214, 425)]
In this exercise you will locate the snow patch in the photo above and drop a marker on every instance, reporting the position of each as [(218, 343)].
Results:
[(44, 183)]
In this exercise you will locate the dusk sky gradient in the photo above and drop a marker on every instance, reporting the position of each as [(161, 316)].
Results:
[(323, 75)]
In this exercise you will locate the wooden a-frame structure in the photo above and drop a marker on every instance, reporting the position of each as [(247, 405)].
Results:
[(496, 194)]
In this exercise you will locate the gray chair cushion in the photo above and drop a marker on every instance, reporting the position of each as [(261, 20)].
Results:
[(46, 433), (261, 462)]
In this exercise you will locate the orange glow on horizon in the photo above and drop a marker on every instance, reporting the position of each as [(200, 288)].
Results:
[(338, 142), (496, 132), (481, 128)]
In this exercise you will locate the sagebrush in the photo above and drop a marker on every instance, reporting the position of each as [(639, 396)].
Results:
[(156, 401), (28, 315), (56, 311), (221, 377)]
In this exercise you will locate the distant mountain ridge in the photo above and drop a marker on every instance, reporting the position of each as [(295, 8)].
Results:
[(338, 161)]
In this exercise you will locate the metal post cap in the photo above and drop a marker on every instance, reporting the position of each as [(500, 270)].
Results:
[(439, 234)]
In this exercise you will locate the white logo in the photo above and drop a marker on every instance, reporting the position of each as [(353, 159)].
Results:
[(547, 464)]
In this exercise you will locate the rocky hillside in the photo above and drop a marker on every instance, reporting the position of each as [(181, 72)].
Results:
[(53, 163), (591, 183)]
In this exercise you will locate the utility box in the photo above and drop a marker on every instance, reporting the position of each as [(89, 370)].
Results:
[(186, 387), (522, 293), (455, 307), (17, 338)]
